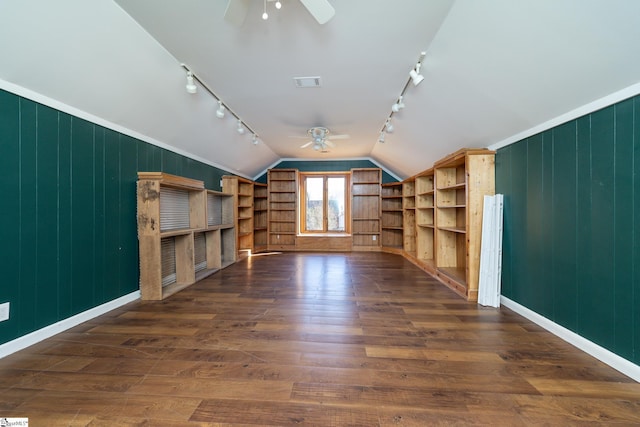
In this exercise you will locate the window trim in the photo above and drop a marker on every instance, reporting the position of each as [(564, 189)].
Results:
[(302, 205)]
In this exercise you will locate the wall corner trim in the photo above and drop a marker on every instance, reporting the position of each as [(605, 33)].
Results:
[(61, 326), (576, 113), (602, 354)]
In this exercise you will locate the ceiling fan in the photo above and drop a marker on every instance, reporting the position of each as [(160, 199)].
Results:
[(321, 139), (321, 10)]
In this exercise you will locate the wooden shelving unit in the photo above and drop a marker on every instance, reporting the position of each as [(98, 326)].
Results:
[(283, 187), (365, 208), (260, 217), (462, 180), (425, 218), (242, 190), (185, 233), (409, 216), (392, 216)]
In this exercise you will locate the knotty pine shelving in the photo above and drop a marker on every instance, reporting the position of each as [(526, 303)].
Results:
[(391, 238), (260, 217), (462, 179), (185, 233), (365, 208), (409, 216), (424, 216), (242, 190), (282, 187)]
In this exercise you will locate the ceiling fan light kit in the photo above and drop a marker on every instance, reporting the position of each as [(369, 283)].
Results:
[(236, 11), (320, 139)]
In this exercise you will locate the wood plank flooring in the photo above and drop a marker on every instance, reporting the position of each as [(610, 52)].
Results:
[(360, 339)]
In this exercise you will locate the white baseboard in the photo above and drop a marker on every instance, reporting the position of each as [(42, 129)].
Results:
[(616, 362), (61, 326)]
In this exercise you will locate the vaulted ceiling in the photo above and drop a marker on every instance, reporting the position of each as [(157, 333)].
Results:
[(493, 69)]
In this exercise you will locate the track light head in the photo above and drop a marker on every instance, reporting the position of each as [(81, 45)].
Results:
[(254, 140), (416, 77), (220, 110), (240, 128), (389, 126), (191, 85), (398, 105), (381, 138)]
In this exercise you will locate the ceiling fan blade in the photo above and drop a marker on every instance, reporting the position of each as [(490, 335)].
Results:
[(306, 145), (321, 10), (338, 137), (236, 11), (329, 143)]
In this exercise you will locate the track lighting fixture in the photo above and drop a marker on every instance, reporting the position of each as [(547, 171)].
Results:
[(399, 105), (416, 77), (240, 128), (220, 110), (191, 85)]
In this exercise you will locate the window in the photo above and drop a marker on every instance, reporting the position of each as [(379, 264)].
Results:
[(323, 202)]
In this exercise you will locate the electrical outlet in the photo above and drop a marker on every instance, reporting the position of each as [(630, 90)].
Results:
[(4, 312), (374, 237)]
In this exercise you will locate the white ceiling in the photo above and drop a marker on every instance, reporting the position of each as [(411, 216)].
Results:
[(493, 69)]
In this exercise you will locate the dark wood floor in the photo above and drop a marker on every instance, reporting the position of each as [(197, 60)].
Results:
[(361, 339)]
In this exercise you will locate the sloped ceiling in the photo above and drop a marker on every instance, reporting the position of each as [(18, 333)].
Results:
[(493, 69)]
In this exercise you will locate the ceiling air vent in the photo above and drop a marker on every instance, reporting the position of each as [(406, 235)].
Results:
[(307, 81)]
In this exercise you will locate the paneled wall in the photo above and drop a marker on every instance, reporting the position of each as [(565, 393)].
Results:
[(68, 237), (328, 166), (572, 225)]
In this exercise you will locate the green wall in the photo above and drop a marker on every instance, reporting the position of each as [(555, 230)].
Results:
[(68, 218), (572, 225), (328, 166)]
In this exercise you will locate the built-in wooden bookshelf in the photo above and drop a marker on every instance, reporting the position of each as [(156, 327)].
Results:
[(462, 179), (425, 218), (185, 233), (260, 217), (242, 190), (409, 216), (365, 208), (282, 186), (392, 216)]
